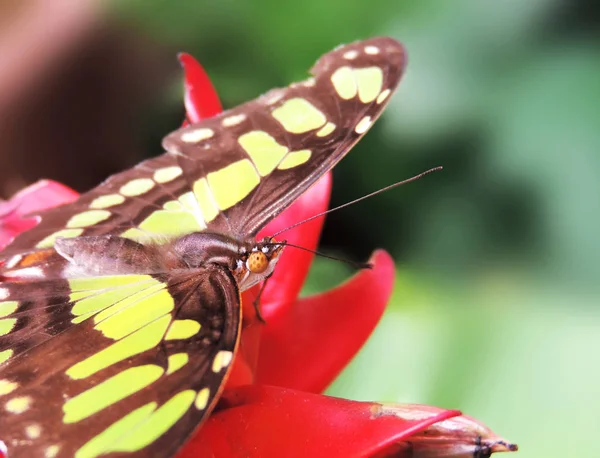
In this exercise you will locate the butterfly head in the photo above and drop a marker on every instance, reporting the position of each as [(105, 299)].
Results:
[(257, 261)]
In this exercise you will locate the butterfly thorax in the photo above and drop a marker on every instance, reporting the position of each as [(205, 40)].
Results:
[(250, 261)]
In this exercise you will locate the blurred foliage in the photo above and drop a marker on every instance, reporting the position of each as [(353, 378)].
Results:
[(496, 309)]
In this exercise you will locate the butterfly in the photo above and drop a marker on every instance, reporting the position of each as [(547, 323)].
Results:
[(120, 313)]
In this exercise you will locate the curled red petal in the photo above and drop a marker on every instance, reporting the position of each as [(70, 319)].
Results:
[(307, 345), (287, 280), (456, 437), (39, 196), (200, 98), (263, 421)]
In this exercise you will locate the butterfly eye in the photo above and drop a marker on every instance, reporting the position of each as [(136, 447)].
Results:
[(257, 262)]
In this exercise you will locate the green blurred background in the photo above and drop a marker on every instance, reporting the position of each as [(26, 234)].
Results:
[(496, 305)]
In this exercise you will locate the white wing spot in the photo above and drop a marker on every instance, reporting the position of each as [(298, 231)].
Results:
[(194, 136), (107, 201), (233, 120), (352, 54), (222, 360), (33, 431), (363, 125), (13, 262), (3, 293), (18, 405), (137, 187), (27, 272), (372, 50), (51, 451), (167, 174), (384, 95), (7, 387), (202, 399)]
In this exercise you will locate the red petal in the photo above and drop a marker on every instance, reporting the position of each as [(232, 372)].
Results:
[(200, 98), (262, 421), (39, 196), (307, 346), (244, 364), (288, 278)]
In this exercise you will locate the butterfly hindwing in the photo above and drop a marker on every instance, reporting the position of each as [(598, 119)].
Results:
[(177, 334)]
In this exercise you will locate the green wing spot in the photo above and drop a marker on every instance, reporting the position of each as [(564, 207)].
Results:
[(344, 83), (137, 187), (369, 81), (171, 222), (178, 217), (135, 312), (110, 391), (294, 159), (88, 218), (66, 233), (105, 441), (139, 428), (106, 201), (263, 149), (182, 329), (92, 295), (158, 423), (167, 174), (298, 116), (232, 183), (5, 355), (6, 325), (177, 361), (136, 235), (8, 307), (202, 195), (134, 344)]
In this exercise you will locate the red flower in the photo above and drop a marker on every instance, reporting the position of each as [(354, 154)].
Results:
[(271, 406), (39, 196)]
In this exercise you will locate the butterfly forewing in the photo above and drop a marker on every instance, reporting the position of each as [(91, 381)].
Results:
[(131, 356), (286, 139), (237, 170)]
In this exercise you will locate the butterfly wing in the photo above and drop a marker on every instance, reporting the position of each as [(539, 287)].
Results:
[(146, 355), (279, 144), (236, 171)]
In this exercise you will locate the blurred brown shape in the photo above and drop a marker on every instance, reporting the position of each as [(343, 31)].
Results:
[(72, 86)]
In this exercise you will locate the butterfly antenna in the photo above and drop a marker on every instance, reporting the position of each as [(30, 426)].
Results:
[(352, 202), (358, 265)]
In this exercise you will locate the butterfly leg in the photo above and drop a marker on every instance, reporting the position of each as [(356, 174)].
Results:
[(256, 302)]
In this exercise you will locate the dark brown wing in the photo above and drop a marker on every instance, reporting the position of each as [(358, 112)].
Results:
[(322, 118), (236, 171), (110, 383)]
